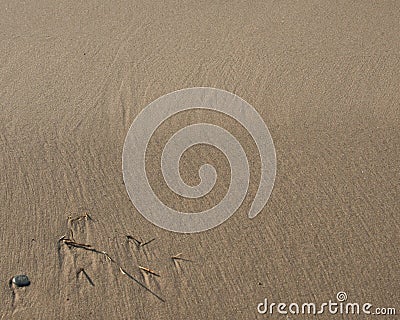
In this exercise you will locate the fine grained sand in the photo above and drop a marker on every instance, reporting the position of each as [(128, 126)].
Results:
[(325, 78)]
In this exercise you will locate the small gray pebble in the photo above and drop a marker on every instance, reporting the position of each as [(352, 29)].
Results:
[(21, 280)]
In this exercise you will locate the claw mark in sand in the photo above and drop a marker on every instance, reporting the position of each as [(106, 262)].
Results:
[(83, 271), (178, 257), (139, 283), (154, 273), (139, 243), (85, 217)]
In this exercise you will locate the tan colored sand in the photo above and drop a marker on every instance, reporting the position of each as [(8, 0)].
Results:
[(325, 78)]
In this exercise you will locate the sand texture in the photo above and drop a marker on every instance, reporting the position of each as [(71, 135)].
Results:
[(324, 76)]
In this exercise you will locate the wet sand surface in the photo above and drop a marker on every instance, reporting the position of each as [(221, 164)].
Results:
[(73, 76)]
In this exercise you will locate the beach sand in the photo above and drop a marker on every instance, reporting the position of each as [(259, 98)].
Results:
[(324, 77)]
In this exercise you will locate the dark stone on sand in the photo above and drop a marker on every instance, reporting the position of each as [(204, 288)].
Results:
[(21, 280)]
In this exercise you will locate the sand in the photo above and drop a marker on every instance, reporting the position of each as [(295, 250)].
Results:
[(324, 77)]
